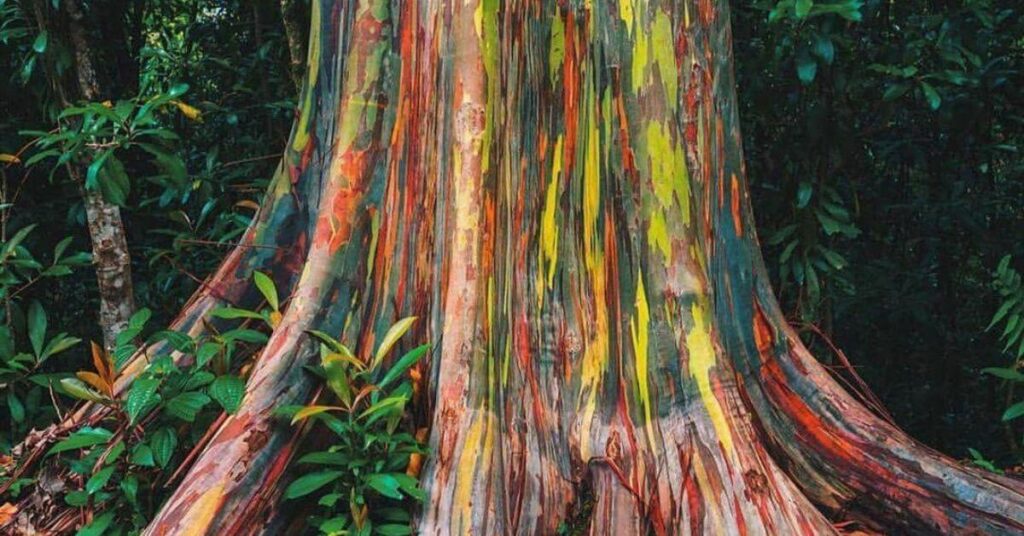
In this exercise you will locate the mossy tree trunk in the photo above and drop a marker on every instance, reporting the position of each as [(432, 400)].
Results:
[(557, 189)]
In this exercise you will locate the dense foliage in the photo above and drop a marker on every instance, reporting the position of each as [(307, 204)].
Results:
[(883, 141)]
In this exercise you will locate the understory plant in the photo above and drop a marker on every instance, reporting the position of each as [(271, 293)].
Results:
[(122, 460), (366, 480)]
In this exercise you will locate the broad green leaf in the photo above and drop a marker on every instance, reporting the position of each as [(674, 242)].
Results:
[(895, 91), (113, 182), (36, 319), (141, 397), (98, 526), (390, 339), (57, 345), (385, 484), (325, 458), (186, 406), (39, 45), (1013, 411), (267, 288), (393, 530), (130, 487), (806, 68), (803, 194), (337, 376), (84, 438), (177, 90), (207, 351), (142, 456), (802, 8), (15, 407), (824, 49), (310, 483), (931, 95), (93, 172), (163, 443), (98, 480), (228, 392)]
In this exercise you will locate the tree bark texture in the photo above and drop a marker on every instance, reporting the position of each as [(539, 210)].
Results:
[(106, 229), (557, 190)]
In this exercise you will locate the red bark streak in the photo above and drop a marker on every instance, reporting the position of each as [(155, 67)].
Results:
[(734, 198)]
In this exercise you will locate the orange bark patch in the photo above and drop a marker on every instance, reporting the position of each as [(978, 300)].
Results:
[(734, 205), (764, 337)]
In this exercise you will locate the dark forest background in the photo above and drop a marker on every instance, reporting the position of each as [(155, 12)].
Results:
[(882, 140)]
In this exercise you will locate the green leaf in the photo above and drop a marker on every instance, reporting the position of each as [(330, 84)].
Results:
[(36, 319), (230, 313), (98, 526), (393, 530), (267, 288), (78, 389), (177, 90), (77, 498), (1004, 373), (113, 183), (39, 45), (806, 68), (403, 364), (385, 484), (207, 351), (803, 8), (130, 487), (186, 406), (932, 96), (142, 456), (16, 408), (228, 392), (139, 319), (310, 483), (10, 246), (141, 397), (325, 458), (382, 408), (824, 49), (98, 480), (310, 411), (391, 338), (92, 173), (1013, 411), (1002, 311), (163, 444), (803, 194), (84, 438)]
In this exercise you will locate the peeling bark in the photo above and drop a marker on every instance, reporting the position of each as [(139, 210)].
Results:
[(558, 190), (110, 253)]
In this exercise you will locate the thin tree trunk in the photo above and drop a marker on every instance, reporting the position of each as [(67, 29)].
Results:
[(558, 191), (294, 37), (106, 229)]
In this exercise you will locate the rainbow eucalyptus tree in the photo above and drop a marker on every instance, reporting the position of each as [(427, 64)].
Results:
[(557, 189)]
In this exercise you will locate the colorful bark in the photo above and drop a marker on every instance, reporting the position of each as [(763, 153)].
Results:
[(557, 188)]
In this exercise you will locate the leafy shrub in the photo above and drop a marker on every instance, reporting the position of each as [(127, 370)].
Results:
[(365, 479)]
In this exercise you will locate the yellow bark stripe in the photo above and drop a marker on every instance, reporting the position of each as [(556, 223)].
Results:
[(640, 326), (702, 359)]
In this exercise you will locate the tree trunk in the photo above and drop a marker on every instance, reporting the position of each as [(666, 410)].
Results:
[(558, 190), (106, 229)]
